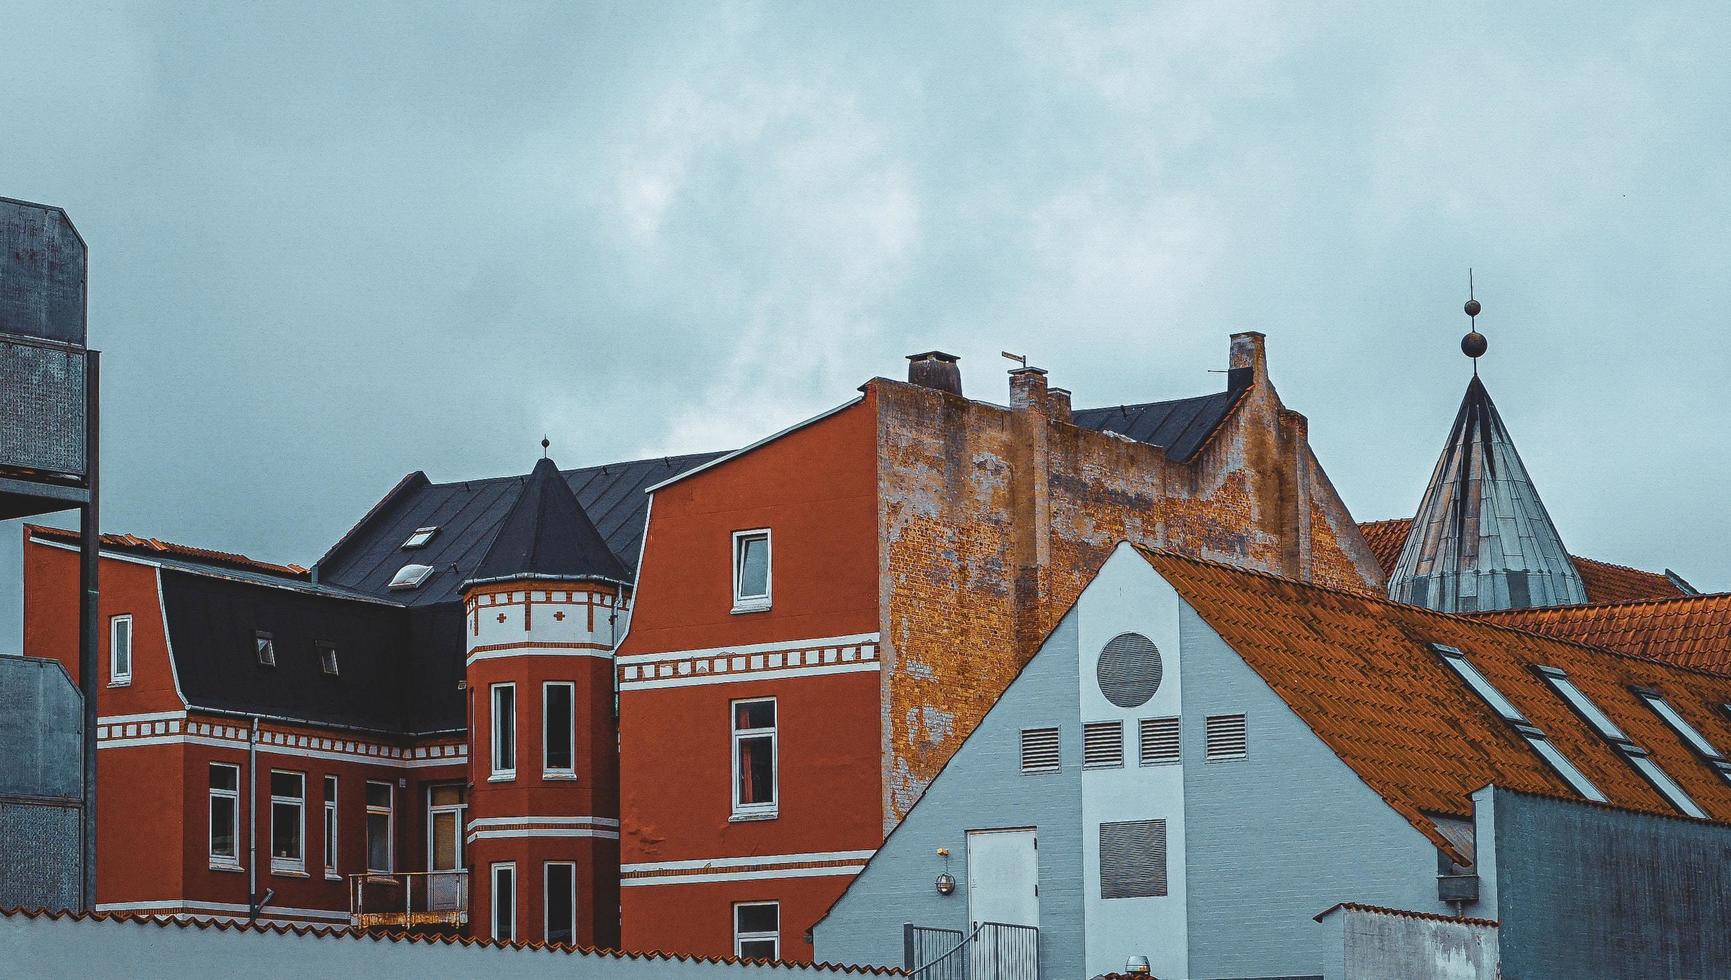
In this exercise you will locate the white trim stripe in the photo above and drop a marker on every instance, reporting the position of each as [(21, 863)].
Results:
[(476, 835), (148, 716), (693, 879), (748, 860), (750, 675), (531, 652), (295, 751), (530, 821), (777, 646)]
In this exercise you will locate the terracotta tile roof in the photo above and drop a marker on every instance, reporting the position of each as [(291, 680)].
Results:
[(1359, 671), (1605, 582), (221, 925), (1405, 914), (1694, 631), (133, 544)]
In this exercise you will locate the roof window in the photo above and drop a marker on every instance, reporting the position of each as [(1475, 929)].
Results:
[(420, 538), (1625, 746), (1458, 662), (266, 647), (411, 576), (1689, 733), (328, 658)]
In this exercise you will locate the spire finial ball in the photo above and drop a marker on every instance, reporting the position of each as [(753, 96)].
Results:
[(1474, 344), (1473, 307)]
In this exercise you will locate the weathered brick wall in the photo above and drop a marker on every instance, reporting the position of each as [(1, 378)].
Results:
[(992, 520)]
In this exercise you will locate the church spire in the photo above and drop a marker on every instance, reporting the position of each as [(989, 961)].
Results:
[(1482, 539)]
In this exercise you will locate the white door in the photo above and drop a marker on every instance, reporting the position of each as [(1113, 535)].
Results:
[(1003, 877)]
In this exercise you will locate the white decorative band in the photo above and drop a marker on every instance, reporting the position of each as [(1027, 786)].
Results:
[(793, 662), (279, 743), (133, 719), (475, 835), (531, 821), (701, 864), (759, 875), (778, 645), (539, 652)]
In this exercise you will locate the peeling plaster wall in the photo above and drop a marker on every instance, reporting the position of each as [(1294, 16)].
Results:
[(992, 519)]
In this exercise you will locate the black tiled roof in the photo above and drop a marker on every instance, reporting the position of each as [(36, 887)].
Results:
[(547, 533), (1181, 425), (469, 514)]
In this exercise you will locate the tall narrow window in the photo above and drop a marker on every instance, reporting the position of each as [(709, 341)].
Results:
[(751, 571), (504, 731), (288, 821), (379, 829), (447, 808), (505, 901), (560, 902), (1457, 661), (558, 729), (331, 827), (757, 931), (120, 651), (754, 758), (224, 815)]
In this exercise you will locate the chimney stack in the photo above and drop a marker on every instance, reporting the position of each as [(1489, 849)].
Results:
[(1058, 403), (935, 369), (1028, 388), (1249, 360)]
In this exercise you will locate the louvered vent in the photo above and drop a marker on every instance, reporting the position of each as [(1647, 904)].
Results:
[(1129, 670), (1159, 737), (1102, 744), (1039, 750), (1226, 738), (1133, 859)]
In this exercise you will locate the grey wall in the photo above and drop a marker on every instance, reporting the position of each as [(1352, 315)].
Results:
[(1367, 945), (115, 948), (41, 779), (1589, 891), (981, 787), (1278, 837)]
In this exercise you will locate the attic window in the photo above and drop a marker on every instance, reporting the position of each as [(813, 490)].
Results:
[(1689, 733), (420, 538), (328, 658), (1039, 750), (266, 648), (1637, 756), (411, 576), (1458, 662)]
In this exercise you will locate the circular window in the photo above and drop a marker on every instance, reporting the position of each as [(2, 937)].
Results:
[(1129, 671)]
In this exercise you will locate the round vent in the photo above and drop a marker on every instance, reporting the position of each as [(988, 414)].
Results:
[(1129, 671)]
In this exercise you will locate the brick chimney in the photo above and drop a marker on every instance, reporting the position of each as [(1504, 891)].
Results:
[(1028, 388), (1249, 360), (935, 369), (1058, 403)]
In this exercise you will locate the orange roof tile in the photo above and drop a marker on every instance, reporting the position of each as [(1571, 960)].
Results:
[(1605, 582), (1694, 631), (1359, 671), (133, 544)]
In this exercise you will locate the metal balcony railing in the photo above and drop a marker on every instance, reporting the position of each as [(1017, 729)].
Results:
[(409, 900)]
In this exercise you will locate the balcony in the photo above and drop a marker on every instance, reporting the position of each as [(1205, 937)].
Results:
[(429, 900)]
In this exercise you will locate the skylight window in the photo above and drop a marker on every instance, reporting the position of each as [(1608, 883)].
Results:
[(1458, 662), (266, 647), (420, 538), (328, 658), (1625, 746), (411, 576), (1689, 733)]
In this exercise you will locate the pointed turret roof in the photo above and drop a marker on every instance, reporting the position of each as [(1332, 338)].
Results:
[(1482, 538), (546, 535)]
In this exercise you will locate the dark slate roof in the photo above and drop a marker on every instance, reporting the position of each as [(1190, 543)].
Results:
[(546, 533), (1181, 426), (469, 515)]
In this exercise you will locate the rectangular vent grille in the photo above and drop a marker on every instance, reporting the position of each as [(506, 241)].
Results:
[(1039, 750), (1102, 744), (1226, 738), (1133, 859), (1159, 741)]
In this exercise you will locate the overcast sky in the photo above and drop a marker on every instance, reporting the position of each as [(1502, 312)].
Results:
[(333, 244)]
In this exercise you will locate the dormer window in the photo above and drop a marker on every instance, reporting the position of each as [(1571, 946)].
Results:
[(751, 577), (420, 538), (411, 576), (266, 647)]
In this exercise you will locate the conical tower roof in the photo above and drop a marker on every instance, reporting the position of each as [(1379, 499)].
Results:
[(1482, 538), (546, 534)]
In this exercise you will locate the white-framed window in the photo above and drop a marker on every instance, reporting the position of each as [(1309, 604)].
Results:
[(288, 821), (328, 658), (411, 576), (447, 813), (420, 538), (331, 828), (559, 730), (559, 902), (504, 731), (380, 817), (754, 758), (120, 651), (505, 901), (224, 815), (757, 930), (266, 646), (751, 570)]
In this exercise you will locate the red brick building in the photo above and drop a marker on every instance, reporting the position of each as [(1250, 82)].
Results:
[(822, 617)]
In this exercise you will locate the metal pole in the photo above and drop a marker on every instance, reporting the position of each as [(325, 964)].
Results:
[(89, 614)]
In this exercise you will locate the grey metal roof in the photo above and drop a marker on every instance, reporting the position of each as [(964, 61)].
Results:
[(469, 514), (1181, 426), (546, 533), (1482, 539)]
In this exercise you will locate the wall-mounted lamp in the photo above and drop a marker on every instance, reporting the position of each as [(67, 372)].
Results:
[(946, 882), (1138, 965)]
